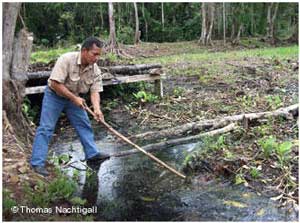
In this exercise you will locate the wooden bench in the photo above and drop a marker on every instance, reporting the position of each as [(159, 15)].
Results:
[(156, 78)]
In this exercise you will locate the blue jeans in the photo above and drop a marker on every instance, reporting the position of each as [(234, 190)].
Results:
[(52, 107)]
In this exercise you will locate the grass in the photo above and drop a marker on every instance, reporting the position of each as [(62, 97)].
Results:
[(182, 52), (204, 55), (45, 56)]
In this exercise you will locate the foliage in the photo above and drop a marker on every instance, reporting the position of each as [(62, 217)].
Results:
[(268, 145), (30, 112), (73, 22), (274, 101), (125, 35), (178, 91), (42, 195), (8, 201), (46, 56), (208, 145), (255, 172), (281, 150), (78, 201), (144, 97)]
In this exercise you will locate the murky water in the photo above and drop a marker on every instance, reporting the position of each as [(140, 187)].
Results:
[(134, 188)]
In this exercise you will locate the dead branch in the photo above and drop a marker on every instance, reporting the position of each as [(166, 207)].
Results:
[(215, 123), (173, 142)]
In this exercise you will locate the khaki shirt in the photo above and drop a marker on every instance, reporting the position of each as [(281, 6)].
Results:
[(67, 71)]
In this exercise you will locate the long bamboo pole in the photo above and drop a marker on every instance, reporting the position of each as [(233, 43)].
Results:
[(125, 139)]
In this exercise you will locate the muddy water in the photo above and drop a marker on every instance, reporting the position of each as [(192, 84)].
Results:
[(132, 188)]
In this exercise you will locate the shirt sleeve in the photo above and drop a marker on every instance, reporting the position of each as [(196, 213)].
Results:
[(97, 86), (60, 71)]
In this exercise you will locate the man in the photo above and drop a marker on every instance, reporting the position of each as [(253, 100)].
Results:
[(74, 74)]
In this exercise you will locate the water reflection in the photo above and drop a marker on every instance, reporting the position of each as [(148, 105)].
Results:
[(134, 188)]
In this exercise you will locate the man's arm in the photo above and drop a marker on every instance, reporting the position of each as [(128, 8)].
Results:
[(61, 89), (95, 99)]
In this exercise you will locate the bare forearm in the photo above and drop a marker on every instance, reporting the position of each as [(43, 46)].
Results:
[(95, 99), (61, 89), (65, 92)]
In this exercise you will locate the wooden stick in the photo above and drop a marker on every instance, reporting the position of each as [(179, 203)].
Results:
[(119, 135)]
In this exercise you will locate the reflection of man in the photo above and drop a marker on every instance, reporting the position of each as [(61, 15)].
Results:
[(73, 74), (91, 185)]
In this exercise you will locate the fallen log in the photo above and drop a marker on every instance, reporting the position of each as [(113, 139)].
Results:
[(38, 75), (179, 141), (131, 69), (117, 80), (215, 123), (125, 69)]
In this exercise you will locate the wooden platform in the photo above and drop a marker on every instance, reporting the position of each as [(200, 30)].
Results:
[(157, 78)]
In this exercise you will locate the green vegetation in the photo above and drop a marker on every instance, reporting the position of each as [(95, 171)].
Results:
[(72, 22), (204, 56), (30, 112), (282, 150), (256, 157), (144, 97), (274, 101), (45, 56), (8, 201), (60, 190), (178, 91), (267, 145), (43, 194), (204, 148)]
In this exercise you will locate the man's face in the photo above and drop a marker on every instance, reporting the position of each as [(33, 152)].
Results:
[(92, 55)]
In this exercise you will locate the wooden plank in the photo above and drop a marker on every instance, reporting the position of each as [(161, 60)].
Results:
[(118, 80), (131, 79), (158, 88), (34, 90)]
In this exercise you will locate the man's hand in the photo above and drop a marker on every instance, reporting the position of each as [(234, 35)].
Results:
[(98, 115), (80, 102)]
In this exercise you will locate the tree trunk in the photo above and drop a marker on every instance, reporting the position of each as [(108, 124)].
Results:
[(162, 16), (238, 35), (10, 13), (272, 9), (137, 29), (208, 11), (203, 28), (252, 20), (112, 28), (113, 44), (101, 17), (15, 61), (146, 22), (224, 25), (237, 24), (211, 23)]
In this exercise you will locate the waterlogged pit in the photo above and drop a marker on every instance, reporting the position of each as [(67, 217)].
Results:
[(134, 188)]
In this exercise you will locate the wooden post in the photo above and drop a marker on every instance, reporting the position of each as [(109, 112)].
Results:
[(158, 88)]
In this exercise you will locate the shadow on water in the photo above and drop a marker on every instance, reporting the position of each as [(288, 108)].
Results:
[(134, 188)]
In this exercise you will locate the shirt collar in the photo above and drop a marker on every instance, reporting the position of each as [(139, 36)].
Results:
[(90, 66), (79, 58)]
